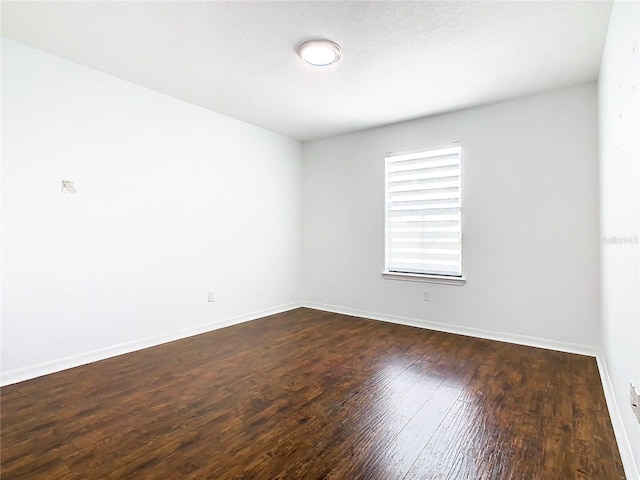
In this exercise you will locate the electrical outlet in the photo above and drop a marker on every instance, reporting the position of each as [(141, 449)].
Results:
[(634, 400), (426, 295), (212, 296)]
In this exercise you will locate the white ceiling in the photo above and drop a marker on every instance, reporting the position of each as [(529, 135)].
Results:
[(401, 60)]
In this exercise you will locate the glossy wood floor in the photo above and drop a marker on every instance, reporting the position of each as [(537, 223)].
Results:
[(314, 395)]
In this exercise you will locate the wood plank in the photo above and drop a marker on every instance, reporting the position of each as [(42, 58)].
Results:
[(441, 452), (466, 468), (397, 459)]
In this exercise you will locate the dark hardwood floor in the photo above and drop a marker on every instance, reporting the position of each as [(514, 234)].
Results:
[(315, 395)]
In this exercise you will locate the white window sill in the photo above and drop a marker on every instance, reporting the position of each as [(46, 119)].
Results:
[(418, 277)]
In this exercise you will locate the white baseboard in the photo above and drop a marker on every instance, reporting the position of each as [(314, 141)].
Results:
[(459, 330), (45, 368), (626, 452)]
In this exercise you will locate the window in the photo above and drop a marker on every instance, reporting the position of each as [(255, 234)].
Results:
[(423, 235)]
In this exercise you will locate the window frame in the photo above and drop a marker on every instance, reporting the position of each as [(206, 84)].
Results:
[(427, 277)]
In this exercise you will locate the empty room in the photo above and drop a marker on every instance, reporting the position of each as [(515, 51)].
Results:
[(305, 240)]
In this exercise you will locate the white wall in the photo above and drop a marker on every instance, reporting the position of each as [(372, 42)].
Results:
[(173, 200), (619, 102), (530, 221)]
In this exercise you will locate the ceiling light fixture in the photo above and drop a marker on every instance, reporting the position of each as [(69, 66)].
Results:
[(319, 53)]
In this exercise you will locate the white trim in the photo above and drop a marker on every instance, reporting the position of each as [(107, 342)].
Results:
[(424, 278), (45, 368), (460, 330), (624, 446)]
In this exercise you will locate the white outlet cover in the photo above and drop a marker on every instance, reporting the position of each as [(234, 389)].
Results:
[(634, 400), (212, 296)]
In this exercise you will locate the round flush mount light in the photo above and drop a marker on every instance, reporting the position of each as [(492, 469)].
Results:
[(319, 53)]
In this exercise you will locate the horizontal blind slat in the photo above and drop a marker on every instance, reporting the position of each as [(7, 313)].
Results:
[(442, 172), (419, 209), (426, 153), (427, 187), (441, 265), (409, 234), (430, 244), (426, 183), (431, 269), (420, 253), (434, 162), (415, 189)]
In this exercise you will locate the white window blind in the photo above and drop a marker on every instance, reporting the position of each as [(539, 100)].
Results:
[(423, 201)]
